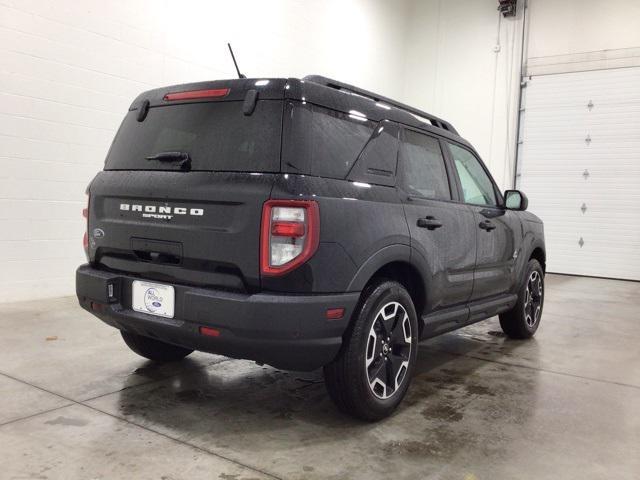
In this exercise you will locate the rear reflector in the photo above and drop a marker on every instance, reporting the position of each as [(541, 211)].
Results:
[(194, 94), (335, 313), (209, 332), (85, 237), (97, 307)]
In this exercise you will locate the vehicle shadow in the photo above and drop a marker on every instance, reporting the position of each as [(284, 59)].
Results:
[(235, 403)]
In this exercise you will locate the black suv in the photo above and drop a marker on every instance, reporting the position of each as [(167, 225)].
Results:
[(303, 224)]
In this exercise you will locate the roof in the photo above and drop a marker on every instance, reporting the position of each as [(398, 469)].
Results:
[(347, 98), (317, 90), (344, 87)]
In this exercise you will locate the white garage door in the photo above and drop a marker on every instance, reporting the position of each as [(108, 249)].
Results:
[(580, 168)]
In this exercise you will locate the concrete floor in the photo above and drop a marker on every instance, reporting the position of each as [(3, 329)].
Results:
[(76, 403)]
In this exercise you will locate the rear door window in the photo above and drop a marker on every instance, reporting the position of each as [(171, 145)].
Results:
[(423, 172), (216, 135)]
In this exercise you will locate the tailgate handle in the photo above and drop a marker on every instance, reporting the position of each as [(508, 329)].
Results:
[(157, 257), (157, 251)]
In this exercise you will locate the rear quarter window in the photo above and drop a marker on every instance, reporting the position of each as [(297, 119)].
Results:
[(378, 160), (322, 142)]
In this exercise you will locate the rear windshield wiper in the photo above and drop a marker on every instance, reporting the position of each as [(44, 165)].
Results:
[(181, 158)]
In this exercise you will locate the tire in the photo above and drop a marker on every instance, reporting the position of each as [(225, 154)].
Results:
[(382, 339), (523, 319), (154, 349)]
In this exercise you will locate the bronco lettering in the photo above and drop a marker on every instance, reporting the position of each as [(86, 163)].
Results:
[(163, 211)]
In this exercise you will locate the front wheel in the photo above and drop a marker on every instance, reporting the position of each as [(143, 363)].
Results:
[(372, 372), (523, 320)]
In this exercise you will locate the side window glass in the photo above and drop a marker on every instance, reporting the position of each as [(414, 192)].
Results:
[(323, 142), (477, 187), (423, 170), (377, 161)]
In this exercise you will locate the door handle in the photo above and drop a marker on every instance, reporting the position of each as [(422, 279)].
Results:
[(429, 222), (487, 225)]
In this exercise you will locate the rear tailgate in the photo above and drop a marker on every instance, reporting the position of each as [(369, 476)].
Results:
[(198, 226)]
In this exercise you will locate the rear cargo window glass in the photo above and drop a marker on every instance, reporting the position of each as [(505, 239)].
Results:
[(216, 135), (323, 142), (423, 170)]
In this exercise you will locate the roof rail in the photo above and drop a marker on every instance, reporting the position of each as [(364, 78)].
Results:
[(345, 87)]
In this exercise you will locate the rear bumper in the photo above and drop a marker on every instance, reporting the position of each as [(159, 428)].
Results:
[(287, 331)]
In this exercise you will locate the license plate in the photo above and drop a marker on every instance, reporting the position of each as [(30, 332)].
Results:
[(153, 298)]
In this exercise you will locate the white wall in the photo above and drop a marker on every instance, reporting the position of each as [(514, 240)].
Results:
[(69, 70), (578, 26), (453, 71), (576, 36)]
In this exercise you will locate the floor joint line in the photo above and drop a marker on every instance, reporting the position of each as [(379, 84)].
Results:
[(82, 403), (182, 442), (554, 372), (27, 417)]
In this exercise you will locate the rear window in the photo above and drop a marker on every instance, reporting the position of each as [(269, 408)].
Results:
[(216, 135), (323, 142)]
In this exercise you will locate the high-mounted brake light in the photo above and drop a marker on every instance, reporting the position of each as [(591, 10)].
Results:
[(290, 235), (195, 94)]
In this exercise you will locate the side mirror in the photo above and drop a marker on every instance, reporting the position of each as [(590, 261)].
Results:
[(515, 200)]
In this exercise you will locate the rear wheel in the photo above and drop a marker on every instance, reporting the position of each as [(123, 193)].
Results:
[(371, 375), (523, 320), (154, 349)]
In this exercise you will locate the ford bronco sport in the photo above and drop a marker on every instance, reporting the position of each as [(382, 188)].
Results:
[(303, 224)]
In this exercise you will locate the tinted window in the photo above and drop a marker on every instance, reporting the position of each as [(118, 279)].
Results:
[(477, 187), (323, 142), (423, 170), (377, 161), (217, 136)]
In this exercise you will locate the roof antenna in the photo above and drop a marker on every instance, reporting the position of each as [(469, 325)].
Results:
[(233, 57)]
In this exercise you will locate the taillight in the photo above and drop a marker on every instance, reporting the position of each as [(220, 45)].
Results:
[(289, 235), (85, 237)]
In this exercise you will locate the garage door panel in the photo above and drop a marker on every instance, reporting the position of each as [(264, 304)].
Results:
[(602, 181), (575, 148), (580, 168), (616, 110), (549, 194), (600, 86)]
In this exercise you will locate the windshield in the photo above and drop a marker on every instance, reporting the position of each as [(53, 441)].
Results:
[(216, 135)]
